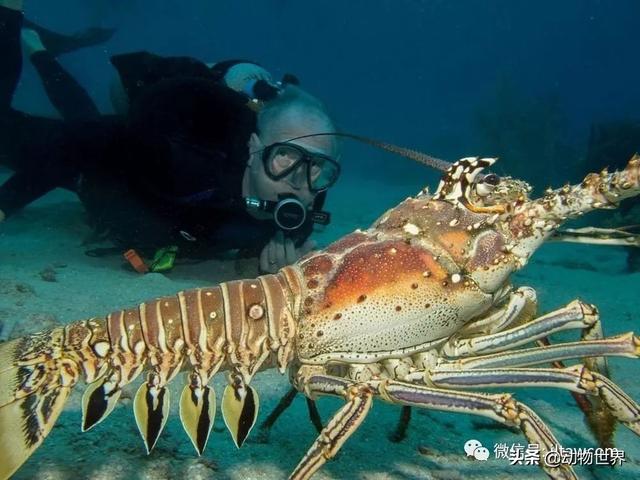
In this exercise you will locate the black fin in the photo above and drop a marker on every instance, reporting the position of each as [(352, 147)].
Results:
[(58, 43)]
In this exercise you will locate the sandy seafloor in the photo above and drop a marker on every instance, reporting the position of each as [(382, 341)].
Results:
[(48, 235)]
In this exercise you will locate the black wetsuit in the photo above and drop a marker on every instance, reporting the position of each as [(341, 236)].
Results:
[(64, 92), (168, 173)]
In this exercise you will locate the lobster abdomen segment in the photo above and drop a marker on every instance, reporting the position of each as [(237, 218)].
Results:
[(238, 326)]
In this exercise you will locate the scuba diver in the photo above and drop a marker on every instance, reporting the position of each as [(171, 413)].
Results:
[(206, 158)]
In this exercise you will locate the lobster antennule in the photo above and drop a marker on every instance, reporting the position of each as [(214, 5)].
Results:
[(602, 190), (534, 222)]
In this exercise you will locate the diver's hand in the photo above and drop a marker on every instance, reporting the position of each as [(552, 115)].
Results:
[(277, 253), (281, 251)]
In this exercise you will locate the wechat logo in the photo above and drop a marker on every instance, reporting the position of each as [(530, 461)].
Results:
[(473, 448)]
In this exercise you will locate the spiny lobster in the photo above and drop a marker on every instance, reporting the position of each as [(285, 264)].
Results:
[(415, 310)]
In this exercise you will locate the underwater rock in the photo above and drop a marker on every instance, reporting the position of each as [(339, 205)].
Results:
[(48, 274)]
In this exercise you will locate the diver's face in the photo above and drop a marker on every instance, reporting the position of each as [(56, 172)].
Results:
[(294, 182)]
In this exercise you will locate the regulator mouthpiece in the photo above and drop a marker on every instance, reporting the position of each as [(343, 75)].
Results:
[(288, 213)]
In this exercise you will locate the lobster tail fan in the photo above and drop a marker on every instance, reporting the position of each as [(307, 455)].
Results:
[(25, 423), (35, 382)]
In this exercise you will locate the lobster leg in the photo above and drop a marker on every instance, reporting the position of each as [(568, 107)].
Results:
[(610, 403), (359, 398), (400, 432), (575, 315), (519, 308), (625, 345), (577, 378), (283, 404), (500, 407), (396, 436), (598, 416), (314, 415)]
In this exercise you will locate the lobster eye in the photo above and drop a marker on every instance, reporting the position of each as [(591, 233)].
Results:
[(491, 179), (487, 184)]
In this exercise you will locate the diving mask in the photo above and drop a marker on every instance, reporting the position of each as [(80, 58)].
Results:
[(282, 158)]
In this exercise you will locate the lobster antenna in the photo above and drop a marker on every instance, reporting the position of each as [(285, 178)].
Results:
[(419, 157)]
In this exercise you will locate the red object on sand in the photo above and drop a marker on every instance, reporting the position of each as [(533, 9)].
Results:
[(136, 261)]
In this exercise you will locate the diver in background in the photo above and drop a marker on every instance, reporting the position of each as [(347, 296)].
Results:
[(192, 164)]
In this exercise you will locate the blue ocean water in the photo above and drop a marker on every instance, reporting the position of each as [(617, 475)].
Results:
[(525, 81), (410, 72)]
